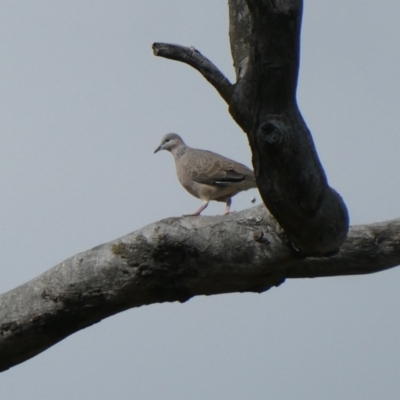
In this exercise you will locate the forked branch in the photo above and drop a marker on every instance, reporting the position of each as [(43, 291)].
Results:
[(178, 258), (265, 37), (174, 260)]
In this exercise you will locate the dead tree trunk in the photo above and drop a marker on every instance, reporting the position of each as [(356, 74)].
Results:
[(178, 258), (265, 41)]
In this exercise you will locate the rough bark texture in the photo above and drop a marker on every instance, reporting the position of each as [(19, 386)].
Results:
[(239, 35), (178, 258), (265, 42), (174, 260)]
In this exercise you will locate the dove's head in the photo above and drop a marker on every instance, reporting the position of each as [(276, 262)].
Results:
[(170, 142)]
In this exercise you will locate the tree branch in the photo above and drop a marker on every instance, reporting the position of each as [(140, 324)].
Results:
[(178, 258), (174, 260), (265, 42), (192, 57), (289, 174)]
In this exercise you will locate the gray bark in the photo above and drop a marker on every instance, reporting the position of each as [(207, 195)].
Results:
[(178, 258), (174, 260)]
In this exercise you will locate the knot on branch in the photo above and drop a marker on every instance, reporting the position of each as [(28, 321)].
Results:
[(272, 136)]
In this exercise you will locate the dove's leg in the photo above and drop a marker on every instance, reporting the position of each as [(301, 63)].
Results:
[(228, 206), (204, 204)]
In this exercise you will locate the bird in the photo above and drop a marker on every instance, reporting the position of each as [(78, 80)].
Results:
[(207, 175)]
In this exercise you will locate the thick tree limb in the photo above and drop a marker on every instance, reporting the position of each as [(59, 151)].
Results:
[(192, 57), (265, 37), (173, 260), (290, 177), (178, 258)]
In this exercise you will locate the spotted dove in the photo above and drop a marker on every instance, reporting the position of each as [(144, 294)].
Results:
[(207, 175)]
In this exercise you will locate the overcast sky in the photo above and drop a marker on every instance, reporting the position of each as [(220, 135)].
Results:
[(83, 105)]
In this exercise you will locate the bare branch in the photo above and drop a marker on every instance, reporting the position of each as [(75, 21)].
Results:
[(265, 45), (367, 249), (290, 177), (192, 57), (173, 260)]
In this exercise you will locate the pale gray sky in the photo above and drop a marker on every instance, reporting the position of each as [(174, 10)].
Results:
[(83, 104)]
